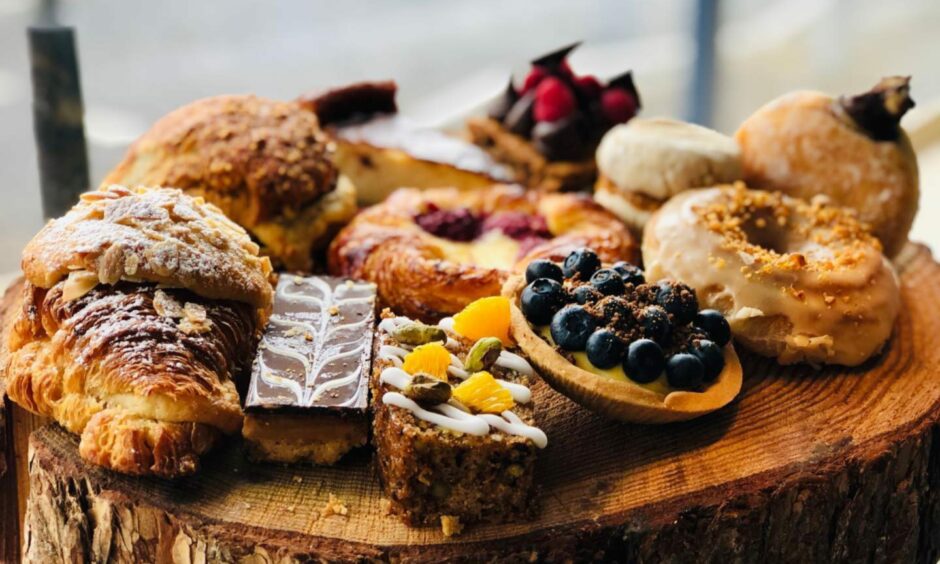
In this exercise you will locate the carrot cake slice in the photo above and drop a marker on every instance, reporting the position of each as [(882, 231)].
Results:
[(453, 419)]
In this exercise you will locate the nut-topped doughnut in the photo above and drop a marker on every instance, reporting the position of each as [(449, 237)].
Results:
[(799, 281)]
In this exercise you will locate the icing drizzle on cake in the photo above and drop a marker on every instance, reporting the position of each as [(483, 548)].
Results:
[(452, 415)]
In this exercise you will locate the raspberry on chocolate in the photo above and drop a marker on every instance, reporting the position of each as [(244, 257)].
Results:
[(618, 105), (589, 86), (535, 76), (553, 100)]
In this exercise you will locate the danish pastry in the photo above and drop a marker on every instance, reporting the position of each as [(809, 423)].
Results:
[(139, 311), (798, 281), (265, 163), (851, 149), (433, 252)]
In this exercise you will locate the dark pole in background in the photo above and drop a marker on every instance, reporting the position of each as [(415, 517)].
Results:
[(58, 116), (703, 74)]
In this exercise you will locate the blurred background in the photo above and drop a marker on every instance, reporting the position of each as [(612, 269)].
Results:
[(139, 60)]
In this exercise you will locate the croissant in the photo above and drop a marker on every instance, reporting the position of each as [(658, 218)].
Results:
[(139, 313)]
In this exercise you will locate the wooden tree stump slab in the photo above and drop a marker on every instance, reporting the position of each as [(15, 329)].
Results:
[(806, 466)]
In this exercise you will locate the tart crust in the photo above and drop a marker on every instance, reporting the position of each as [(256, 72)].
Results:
[(623, 401)]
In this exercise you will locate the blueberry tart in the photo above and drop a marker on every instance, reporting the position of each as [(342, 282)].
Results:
[(625, 348)]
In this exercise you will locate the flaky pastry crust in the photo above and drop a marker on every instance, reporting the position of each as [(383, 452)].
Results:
[(145, 376), (265, 163), (412, 269), (153, 235), (139, 311)]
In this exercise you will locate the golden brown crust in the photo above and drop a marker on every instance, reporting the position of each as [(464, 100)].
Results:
[(145, 376), (153, 235), (411, 268), (261, 161), (798, 281), (799, 145)]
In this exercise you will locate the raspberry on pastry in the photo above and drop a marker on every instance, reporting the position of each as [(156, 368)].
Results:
[(547, 129), (850, 149), (433, 252), (265, 163)]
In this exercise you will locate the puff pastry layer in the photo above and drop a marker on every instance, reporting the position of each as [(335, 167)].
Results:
[(421, 275), (139, 313)]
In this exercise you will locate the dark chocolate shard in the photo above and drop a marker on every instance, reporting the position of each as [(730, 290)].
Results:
[(878, 112), (316, 350), (625, 81), (355, 102), (562, 139), (555, 58), (503, 103), (520, 120)]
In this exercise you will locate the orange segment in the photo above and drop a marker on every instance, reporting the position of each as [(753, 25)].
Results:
[(481, 393), (486, 317), (431, 358)]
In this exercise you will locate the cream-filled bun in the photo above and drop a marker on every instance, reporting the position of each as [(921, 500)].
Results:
[(647, 161)]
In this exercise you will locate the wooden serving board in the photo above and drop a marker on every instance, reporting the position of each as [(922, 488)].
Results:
[(806, 466)]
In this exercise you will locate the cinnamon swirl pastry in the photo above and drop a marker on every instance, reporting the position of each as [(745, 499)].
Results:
[(139, 312), (432, 252)]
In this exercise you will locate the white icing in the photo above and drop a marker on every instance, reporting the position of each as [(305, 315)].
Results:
[(450, 415), (510, 424), (511, 361), (466, 423)]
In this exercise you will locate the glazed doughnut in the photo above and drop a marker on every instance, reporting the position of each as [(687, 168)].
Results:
[(802, 282), (850, 149), (432, 252)]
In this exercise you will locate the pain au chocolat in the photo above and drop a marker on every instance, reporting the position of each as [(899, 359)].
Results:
[(140, 309)]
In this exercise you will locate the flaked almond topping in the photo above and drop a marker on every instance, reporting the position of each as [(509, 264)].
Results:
[(194, 319), (78, 283), (166, 305)]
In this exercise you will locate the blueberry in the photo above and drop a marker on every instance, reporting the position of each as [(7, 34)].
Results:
[(543, 268), (607, 281), (605, 349), (656, 324), (631, 274), (685, 371), (586, 294), (714, 323), (678, 299), (581, 261), (541, 299), (615, 312), (644, 362), (713, 359), (571, 327)]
